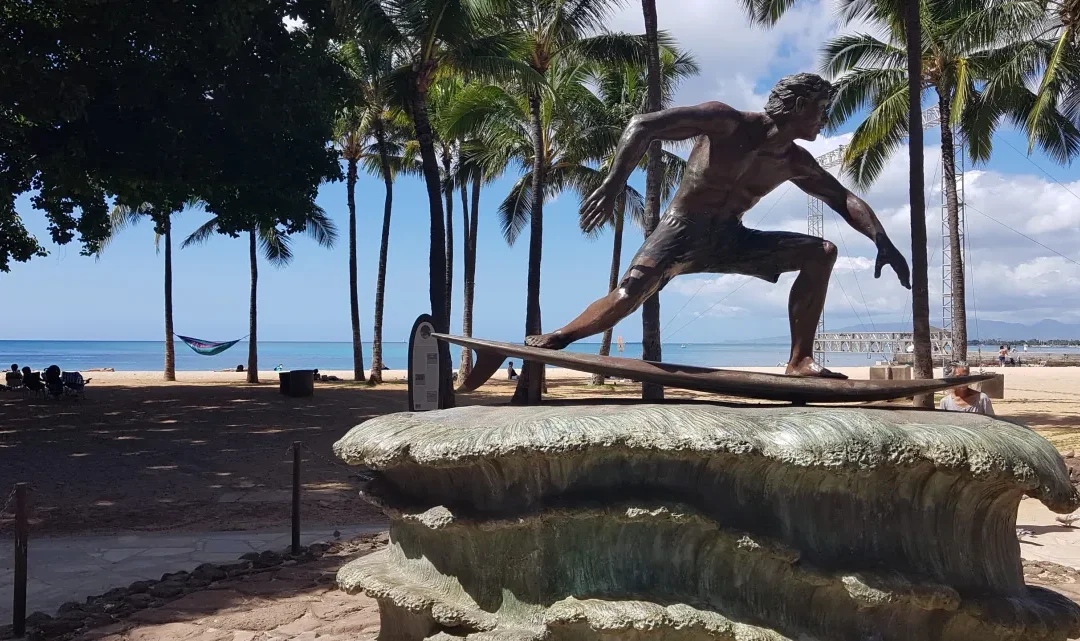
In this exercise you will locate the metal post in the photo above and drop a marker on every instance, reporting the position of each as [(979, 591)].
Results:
[(296, 498), (22, 536)]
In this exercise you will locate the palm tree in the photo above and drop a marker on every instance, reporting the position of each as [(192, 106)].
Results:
[(957, 52), (622, 89), (555, 32), (351, 137), (442, 96), (433, 38), (578, 130), (470, 175), (276, 248), (391, 153), (651, 348), (123, 216), (767, 13), (360, 128)]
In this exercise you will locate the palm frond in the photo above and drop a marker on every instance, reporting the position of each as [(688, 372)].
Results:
[(674, 167), (120, 218), (1046, 98), (319, 227), (276, 246), (877, 137), (611, 49), (848, 52), (202, 234), (859, 88), (515, 209)]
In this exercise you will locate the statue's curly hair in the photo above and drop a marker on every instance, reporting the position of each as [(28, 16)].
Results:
[(788, 89)]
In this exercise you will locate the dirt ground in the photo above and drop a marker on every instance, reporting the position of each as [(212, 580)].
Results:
[(146, 455)]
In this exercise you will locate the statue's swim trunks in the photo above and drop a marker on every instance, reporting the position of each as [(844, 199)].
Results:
[(703, 244)]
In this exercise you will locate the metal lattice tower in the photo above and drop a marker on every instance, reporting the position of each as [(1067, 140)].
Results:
[(946, 249), (815, 222)]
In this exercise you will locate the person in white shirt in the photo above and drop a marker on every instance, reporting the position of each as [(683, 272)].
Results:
[(965, 399)]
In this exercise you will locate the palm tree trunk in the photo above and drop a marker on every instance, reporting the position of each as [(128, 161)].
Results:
[(952, 206), (253, 355), (354, 296), (613, 279), (170, 346), (448, 193), (654, 177), (920, 287), (380, 280), (531, 380), (465, 368), (437, 255)]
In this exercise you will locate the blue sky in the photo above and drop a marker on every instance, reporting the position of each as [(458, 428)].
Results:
[(119, 297)]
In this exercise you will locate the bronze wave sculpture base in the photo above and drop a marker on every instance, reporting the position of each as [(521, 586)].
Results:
[(695, 522)]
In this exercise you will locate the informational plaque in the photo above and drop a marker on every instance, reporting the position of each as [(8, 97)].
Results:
[(423, 366)]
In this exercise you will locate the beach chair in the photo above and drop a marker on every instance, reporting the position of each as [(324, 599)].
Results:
[(54, 382), (14, 379), (33, 385), (74, 383)]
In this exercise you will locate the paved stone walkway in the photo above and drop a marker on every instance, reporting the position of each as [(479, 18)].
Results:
[(71, 568)]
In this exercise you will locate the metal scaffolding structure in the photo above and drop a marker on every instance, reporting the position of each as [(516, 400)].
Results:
[(815, 225), (889, 343)]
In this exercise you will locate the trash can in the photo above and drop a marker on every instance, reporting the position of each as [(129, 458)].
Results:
[(297, 382)]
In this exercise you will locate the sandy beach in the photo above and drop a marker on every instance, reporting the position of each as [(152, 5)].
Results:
[(210, 451)]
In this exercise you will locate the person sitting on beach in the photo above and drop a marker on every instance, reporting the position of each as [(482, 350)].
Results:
[(511, 373), (32, 380), (14, 378), (965, 399)]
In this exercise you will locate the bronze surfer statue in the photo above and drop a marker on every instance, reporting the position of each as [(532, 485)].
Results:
[(737, 159)]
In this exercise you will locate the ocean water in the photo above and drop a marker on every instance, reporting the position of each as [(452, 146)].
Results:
[(149, 355)]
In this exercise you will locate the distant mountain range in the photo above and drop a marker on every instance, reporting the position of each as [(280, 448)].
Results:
[(1045, 329)]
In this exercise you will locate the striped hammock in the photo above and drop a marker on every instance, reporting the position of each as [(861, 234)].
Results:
[(207, 348)]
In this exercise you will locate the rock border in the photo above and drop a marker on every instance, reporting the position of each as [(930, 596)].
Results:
[(74, 617)]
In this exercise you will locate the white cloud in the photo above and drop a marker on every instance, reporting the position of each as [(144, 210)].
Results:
[(849, 263), (735, 58)]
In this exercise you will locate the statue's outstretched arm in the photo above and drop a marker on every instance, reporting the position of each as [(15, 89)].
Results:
[(817, 182), (677, 123)]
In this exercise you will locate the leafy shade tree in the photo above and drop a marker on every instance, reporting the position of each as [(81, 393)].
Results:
[(958, 52), (622, 88), (555, 32), (123, 217), (276, 246), (160, 103), (432, 38)]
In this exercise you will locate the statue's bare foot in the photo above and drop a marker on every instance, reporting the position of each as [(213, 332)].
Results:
[(810, 367), (554, 340)]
